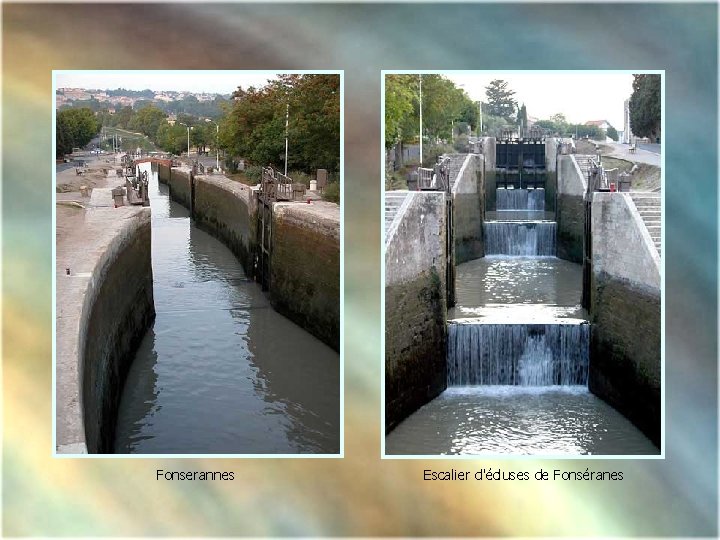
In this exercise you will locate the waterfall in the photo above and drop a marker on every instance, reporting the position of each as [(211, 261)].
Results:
[(528, 238), (518, 354), (520, 199)]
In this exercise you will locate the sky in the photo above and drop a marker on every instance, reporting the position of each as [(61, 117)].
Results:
[(219, 82), (579, 96)]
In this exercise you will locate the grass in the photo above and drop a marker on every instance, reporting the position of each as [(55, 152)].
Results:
[(616, 163), (242, 178)]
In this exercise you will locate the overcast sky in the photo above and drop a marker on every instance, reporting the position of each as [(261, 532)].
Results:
[(219, 82), (579, 96)]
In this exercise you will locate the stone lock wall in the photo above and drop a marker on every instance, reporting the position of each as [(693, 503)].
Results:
[(305, 254), (228, 210), (415, 308), (570, 213), (468, 213), (305, 267), (625, 311), (181, 187), (103, 311)]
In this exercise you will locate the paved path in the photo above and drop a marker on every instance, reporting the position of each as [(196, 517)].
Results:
[(641, 155)]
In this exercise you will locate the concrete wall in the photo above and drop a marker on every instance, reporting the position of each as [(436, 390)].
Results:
[(551, 148), (104, 308), (625, 350), (228, 210), (181, 187), (570, 212), (415, 308), (489, 183), (163, 173), (488, 144), (468, 213), (305, 255), (305, 267)]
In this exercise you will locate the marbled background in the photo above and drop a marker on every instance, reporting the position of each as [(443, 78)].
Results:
[(360, 494)]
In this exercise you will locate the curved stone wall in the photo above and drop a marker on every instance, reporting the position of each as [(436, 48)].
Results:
[(104, 307)]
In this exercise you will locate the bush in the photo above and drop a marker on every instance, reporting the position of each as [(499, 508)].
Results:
[(462, 144), (332, 192), (300, 177), (396, 180), (253, 173), (431, 152)]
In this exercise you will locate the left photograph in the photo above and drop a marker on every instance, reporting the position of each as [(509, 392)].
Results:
[(197, 263)]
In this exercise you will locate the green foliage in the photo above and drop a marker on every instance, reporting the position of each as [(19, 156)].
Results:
[(522, 116), (122, 118), (612, 133), (172, 139), (254, 128), (396, 180), (592, 132), (147, 121), (399, 97), (331, 192), (74, 128), (254, 173), (645, 113), (443, 104), (432, 151), (500, 100), (461, 144), (560, 127)]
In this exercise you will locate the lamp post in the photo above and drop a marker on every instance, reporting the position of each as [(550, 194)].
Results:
[(217, 150), (188, 130)]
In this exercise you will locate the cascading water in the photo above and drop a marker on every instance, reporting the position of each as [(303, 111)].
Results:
[(518, 354), (518, 359), (520, 199), (520, 238)]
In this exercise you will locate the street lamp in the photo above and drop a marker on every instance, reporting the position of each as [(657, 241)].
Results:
[(217, 150), (188, 128)]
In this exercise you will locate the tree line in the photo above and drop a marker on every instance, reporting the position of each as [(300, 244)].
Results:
[(255, 126), (645, 106), (74, 128), (251, 126), (446, 108)]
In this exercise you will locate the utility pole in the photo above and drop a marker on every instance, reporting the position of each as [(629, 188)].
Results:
[(481, 118), (287, 123), (421, 127)]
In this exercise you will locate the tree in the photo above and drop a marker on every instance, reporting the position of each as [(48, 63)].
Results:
[(147, 121), (522, 116), (645, 113), (500, 99), (562, 126), (172, 138), (399, 98), (254, 128), (74, 128), (612, 133)]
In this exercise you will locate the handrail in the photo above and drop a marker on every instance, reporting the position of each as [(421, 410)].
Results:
[(275, 186)]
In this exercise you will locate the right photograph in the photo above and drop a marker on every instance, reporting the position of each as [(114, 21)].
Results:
[(523, 269)]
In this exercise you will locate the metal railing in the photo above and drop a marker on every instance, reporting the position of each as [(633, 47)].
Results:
[(435, 179), (275, 186)]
